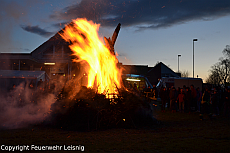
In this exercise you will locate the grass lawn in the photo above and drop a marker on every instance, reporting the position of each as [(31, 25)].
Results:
[(177, 132)]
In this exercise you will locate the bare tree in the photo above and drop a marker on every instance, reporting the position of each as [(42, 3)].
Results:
[(220, 72), (184, 73), (215, 76), (226, 51)]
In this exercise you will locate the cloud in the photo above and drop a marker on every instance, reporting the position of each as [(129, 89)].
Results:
[(37, 30), (145, 14)]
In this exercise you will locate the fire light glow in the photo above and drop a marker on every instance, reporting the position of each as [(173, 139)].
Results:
[(128, 79), (49, 63), (103, 73)]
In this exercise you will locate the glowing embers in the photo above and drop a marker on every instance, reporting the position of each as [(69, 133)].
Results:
[(101, 69)]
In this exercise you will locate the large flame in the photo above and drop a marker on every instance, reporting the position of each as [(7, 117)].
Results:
[(87, 46)]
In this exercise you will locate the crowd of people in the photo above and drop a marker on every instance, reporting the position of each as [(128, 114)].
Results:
[(212, 101)]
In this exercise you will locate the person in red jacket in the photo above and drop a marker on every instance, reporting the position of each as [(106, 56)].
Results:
[(181, 100)]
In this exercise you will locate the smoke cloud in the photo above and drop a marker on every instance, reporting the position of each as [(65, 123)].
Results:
[(23, 106), (19, 110), (37, 30), (145, 14)]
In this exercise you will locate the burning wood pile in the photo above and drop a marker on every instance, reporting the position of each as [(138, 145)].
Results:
[(95, 111), (105, 102)]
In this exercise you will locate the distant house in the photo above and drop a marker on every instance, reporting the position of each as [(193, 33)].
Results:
[(159, 71), (135, 69), (152, 73), (53, 57)]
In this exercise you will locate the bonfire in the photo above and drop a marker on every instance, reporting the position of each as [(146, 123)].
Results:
[(86, 45), (104, 102)]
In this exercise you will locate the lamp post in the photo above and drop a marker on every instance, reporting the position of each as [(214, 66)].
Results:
[(178, 63), (193, 55)]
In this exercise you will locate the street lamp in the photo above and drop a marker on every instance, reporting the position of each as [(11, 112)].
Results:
[(178, 63), (193, 55)]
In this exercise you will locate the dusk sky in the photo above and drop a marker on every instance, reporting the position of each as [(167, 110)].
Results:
[(151, 30)]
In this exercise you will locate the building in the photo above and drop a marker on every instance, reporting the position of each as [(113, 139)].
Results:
[(9, 78), (135, 69), (53, 57), (159, 71)]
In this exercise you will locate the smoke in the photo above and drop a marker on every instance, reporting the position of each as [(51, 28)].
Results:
[(24, 106)]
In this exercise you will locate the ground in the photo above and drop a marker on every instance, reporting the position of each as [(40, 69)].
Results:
[(176, 132)]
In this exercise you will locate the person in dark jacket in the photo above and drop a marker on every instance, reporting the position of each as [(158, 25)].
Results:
[(205, 104), (222, 99), (164, 97), (188, 100), (215, 102), (227, 104), (168, 98), (193, 98), (172, 96), (198, 97)]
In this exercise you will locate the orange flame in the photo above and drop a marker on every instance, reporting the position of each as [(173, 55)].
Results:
[(87, 46)]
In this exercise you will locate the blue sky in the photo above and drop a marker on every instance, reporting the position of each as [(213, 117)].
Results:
[(151, 30)]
